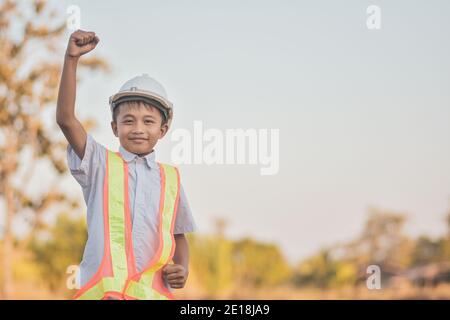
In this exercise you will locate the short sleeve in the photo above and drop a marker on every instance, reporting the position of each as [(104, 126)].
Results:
[(184, 221), (82, 169)]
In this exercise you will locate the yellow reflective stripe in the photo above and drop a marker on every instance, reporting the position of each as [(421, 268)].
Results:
[(141, 291), (147, 276), (170, 195), (116, 204), (98, 291)]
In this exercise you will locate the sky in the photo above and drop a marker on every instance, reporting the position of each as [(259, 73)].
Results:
[(363, 115)]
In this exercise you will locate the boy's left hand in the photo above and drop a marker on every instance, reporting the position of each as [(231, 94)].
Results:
[(176, 275)]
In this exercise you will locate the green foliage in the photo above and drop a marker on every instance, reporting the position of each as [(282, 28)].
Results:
[(221, 264), (258, 264), (322, 271), (427, 250), (211, 261), (63, 248)]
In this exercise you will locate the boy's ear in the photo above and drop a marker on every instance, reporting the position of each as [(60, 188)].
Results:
[(114, 128), (164, 129)]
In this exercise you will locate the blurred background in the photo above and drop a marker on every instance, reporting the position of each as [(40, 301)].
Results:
[(364, 155)]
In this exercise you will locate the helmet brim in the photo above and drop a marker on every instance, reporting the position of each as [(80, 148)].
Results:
[(113, 100), (159, 102)]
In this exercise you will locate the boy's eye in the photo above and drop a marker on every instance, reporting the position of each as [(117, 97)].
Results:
[(148, 121)]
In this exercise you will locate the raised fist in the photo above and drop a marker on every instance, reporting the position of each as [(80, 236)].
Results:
[(81, 42)]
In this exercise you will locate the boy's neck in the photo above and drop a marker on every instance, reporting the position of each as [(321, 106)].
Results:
[(141, 155)]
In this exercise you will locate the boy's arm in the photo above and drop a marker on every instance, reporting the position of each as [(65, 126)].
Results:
[(65, 116), (80, 42), (181, 255), (177, 273)]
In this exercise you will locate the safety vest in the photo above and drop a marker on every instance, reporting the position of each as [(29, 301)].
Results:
[(117, 276)]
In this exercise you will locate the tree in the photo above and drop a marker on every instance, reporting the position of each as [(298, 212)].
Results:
[(317, 270), (30, 65), (323, 270), (259, 264), (211, 259), (425, 251), (58, 251), (380, 241), (448, 224), (211, 262)]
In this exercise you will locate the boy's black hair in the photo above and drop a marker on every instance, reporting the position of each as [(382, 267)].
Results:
[(146, 104)]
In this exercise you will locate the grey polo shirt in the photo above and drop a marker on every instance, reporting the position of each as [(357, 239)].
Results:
[(144, 186)]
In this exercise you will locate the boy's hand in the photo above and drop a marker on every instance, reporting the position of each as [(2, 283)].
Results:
[(81, 42), (176, 275)]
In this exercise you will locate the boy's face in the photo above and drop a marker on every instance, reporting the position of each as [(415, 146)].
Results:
[(138, 127)]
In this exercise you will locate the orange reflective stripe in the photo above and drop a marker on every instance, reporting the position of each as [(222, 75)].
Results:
[(173, 188), (128, 235)]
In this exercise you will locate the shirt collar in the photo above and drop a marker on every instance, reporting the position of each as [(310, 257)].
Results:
[(128, 157)]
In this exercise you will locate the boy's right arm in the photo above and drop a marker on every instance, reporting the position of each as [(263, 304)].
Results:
[(80, 42)]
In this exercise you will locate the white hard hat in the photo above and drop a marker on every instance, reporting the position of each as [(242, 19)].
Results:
[(144, 88)]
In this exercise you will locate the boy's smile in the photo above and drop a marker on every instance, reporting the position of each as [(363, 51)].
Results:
[(138, 126)]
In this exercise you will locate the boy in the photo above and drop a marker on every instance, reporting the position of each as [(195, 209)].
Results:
[(137, 210)]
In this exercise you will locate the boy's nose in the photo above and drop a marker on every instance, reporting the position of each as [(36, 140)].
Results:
[(139, 128)]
